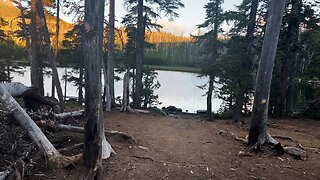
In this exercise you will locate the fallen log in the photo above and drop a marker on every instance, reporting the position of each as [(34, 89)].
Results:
[(76, 129), (68, 114), (34, 132), (32, 99)]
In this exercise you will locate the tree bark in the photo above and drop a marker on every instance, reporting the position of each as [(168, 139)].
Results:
[(50, 54), (93, 44), (80, 92), (106, 89), (35, 64), (33, 130), (209, 98), (125, 95), (288, 62), (139, 56), (56, 51), (258, 134), (111, 56)]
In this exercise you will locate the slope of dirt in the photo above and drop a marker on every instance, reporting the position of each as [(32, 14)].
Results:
[(188, 149)]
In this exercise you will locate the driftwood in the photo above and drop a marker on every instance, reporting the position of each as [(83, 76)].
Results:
[(32, 99), (76, 129), (34, 132), (68, 114)]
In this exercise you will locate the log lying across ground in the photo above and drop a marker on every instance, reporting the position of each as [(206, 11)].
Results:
[(76, 129), (32, 99), (34, 132)]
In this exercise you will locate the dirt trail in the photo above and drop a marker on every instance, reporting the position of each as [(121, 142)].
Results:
[(189, 149)]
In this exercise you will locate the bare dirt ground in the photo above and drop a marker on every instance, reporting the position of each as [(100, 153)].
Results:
[(186, 148)]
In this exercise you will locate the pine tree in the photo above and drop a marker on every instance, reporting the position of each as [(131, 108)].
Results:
[(141, 15), (209, 41)]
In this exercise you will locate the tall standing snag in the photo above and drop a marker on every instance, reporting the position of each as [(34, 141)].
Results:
[(50, 54), (258, 134), (92, 43), (111, 56)]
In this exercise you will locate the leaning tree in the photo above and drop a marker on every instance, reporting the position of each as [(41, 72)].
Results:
[(258, 134)]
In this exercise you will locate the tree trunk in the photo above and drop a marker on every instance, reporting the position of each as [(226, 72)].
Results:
[(57, 43), (35, 64), (139, 56), (288, 63), (237, 109), (248, 65), (93, 44), (50, 54), (33, 130), (106, 89), (258, 134), (111, 57), (209, 98), (125, 96), (80, 93)]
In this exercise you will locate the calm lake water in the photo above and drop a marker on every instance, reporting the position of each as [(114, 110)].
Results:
[(177, 88)]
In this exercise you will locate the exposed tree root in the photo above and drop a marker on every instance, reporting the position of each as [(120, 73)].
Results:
[(284, 137), (244, 140), (61, 161), (315, 150), (123, 135)]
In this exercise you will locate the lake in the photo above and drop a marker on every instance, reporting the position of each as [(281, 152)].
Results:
[(177, 88)]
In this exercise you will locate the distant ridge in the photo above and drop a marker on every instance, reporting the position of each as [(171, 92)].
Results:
[(11, 14)]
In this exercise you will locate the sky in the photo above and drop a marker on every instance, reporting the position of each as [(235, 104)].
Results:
[(191, 15)]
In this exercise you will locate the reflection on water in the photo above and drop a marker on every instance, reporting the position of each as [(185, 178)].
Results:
[(177, 89)]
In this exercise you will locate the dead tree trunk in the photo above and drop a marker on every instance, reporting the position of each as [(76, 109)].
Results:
[(80, 93), (111, 57), (258, 134), (56, 51), (33, 130), (93, 42), (106, 88), (125, 96), (52, 62), (35, 64)]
